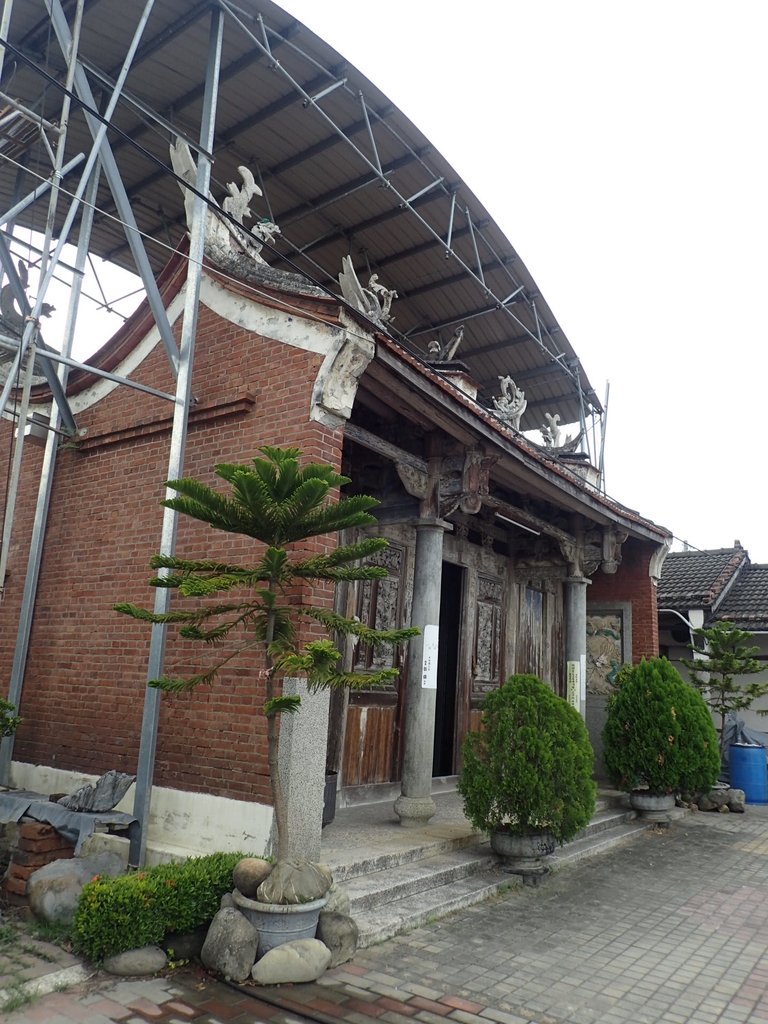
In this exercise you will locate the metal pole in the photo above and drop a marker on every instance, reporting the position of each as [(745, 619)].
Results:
[(56, 357), (18, 451), (148, 743), (23, 304), (119, 194), (45, 486), (5, 22), (41, 189)]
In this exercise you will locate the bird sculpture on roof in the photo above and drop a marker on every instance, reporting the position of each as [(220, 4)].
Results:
[(552, 435), (550, 431), (375, 301), (222, 237), (511, 404)]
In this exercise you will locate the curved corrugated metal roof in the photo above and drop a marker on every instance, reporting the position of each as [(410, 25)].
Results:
[(347, 172)]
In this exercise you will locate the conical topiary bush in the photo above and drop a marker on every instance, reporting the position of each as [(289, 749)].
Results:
[(529, 768), (659, 734)]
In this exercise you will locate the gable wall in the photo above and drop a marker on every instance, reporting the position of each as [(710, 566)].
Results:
[(84, 689), (632, 583)]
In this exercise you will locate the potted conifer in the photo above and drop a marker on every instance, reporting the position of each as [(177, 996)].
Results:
[(526, 776), (658, 738), (717, 672), (279, 503)]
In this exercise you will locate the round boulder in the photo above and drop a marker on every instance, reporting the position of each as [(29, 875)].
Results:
[(249, 873), (339, 933), (54, 890), (146, 960), (230, 945), (292, 963), (338, 901)]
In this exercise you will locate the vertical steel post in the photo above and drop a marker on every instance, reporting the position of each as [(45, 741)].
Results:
[(119, 194), (46, 483), (18, 451), (148, 744), (5, 22)]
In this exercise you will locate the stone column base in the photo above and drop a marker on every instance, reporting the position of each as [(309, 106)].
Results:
[(413, 810)]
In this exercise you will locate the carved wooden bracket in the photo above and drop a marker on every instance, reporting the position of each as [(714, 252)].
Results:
[(612, 541)]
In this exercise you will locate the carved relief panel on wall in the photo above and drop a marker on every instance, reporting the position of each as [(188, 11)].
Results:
[(381, 605), (609, 640), (486, 661)]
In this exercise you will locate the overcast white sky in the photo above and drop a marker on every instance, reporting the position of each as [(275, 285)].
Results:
[(621, 147)]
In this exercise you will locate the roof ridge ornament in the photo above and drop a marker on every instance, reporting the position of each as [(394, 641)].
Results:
[(444, 353), (511, 403), (375, 301), (223, 239)]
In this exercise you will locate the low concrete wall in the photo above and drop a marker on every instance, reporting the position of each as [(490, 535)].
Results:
[(181, 824)]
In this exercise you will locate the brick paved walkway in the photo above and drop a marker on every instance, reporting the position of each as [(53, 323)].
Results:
[(670, 929)]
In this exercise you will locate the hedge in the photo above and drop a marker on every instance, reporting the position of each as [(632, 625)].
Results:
[(138, 909)]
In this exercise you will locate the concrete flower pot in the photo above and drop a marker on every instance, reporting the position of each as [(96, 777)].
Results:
[(278, 923), (523, 854), (652, 806)]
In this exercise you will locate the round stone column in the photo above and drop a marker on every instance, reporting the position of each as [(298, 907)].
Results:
[(415, 805), (576, 641)]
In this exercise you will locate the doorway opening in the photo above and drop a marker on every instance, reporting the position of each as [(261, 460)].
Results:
[(451, 591)]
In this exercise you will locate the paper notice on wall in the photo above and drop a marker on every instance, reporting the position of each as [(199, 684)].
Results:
[(573, 684), (583, 686), (429, 660)]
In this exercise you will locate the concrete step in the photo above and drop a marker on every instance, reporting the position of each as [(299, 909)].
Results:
[(605, 820), (394, 892), (356, 864), (382, 922), (378, 888), (593, 843)]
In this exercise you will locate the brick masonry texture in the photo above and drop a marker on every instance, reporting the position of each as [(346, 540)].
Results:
[(37, 845), (632, 583), (84, 687)]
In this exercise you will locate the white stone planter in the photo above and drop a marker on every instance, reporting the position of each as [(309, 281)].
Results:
[(523, 855), (278, 923), (652, 806)]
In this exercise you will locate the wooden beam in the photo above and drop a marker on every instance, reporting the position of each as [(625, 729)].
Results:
[(377, 444), (534, 522)]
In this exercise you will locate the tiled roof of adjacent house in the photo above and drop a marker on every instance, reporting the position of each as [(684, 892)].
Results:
[(746, 603), (695, 579)]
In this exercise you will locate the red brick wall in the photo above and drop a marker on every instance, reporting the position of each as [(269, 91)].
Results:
[(632, 583), (85, 683)]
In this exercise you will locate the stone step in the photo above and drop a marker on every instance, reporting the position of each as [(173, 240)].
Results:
[(378, 888), (428, 882), (375, 862), (597, 842), (604, 820), (402, 915)]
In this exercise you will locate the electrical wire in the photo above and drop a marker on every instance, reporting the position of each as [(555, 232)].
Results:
[(184, 184), (248, 286), (261, 294)]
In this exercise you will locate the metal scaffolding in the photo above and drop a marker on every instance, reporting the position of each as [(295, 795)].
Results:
[(92, 93)]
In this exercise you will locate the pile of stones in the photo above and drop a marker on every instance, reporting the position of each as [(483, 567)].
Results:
[(231, 945), (721, 798)]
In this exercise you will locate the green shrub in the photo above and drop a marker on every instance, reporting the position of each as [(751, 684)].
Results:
[(659, 733), (137, 909), (529, 768), (9, 722)]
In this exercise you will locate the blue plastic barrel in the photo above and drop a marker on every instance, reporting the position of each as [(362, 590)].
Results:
[(749, 771)]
